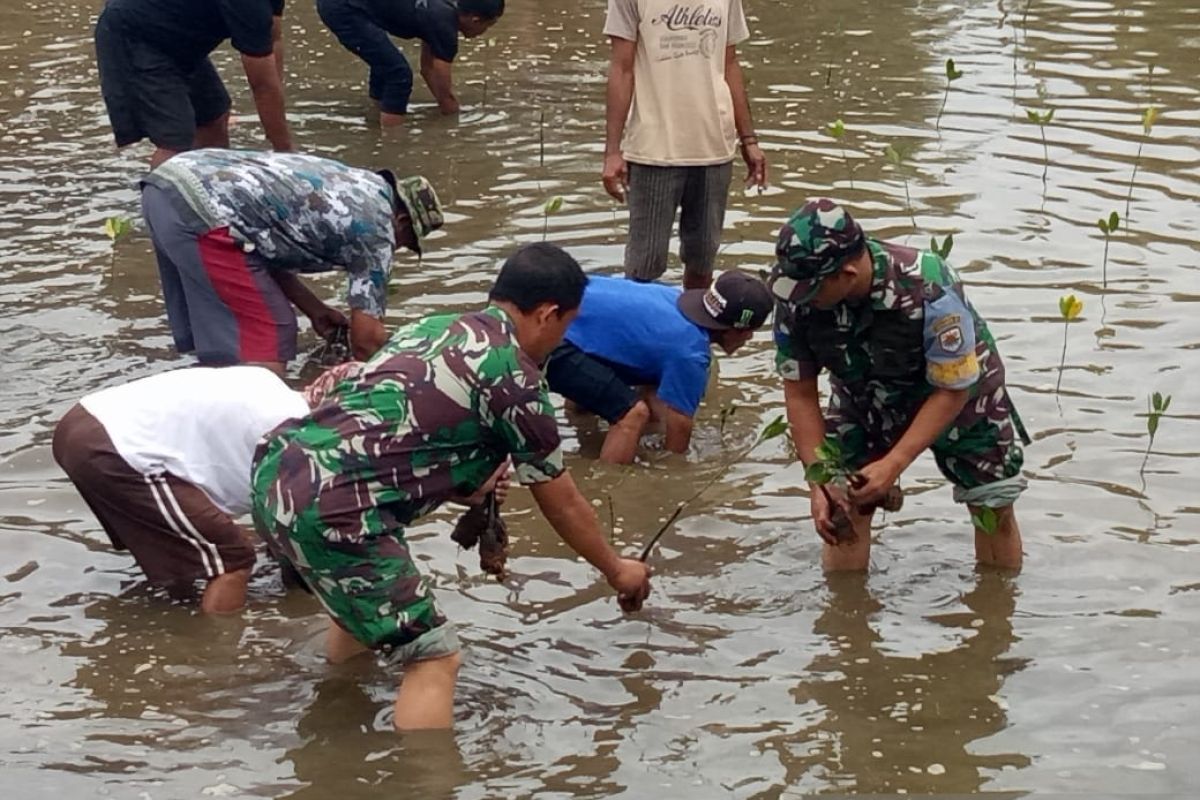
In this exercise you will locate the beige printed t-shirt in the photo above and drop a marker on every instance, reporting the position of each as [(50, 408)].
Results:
[(682, 112)]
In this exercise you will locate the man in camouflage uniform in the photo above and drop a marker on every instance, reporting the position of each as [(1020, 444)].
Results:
[(435, 415), (912, 366), (231, 229)]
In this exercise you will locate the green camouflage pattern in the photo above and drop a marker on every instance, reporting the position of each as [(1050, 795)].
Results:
[(878, 357), (815, 242), (296, 212), (430, 417)]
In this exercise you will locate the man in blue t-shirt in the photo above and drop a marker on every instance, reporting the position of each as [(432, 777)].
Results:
[(363, 28), (631, 334)]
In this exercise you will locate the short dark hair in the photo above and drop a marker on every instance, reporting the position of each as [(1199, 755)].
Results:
[(540, 273), (488, 9)]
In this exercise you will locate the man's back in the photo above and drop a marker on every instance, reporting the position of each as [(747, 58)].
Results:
[(638, 326), (188, 30), (431, 414)]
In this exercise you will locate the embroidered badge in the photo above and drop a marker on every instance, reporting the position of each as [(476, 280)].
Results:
[(951, 339)]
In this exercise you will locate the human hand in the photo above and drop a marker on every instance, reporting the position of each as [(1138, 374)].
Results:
[(869, 486), (825, 501), (615, 176), (498, 482), (756, 166), (327, 321), (631, 581)]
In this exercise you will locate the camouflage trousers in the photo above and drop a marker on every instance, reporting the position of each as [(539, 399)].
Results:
[(370, 587), (981, 447)]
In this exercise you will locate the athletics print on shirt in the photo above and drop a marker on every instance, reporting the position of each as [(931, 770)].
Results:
[(694, 31)]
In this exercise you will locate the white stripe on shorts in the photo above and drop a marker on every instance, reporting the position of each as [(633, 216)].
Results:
[(210, 557)]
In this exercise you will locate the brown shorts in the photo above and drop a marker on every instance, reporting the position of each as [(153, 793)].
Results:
[(170, 526)]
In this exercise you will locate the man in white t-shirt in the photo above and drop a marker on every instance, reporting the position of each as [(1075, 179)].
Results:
[(164, 464), (676, 113)]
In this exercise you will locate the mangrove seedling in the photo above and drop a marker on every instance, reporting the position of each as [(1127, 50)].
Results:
[(1148, 118), (831, 467), (896, 154), (1157, 405), (1042, 119), (541, 138), (986, 520), (1108, 227), (552, 206), (775, 428), (118, 227), (837, 129), (952, 74), (943, 250), (1069, 307), (727, 413)]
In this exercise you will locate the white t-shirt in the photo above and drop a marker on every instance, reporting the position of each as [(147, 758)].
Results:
[(200, 424), (682, 112)]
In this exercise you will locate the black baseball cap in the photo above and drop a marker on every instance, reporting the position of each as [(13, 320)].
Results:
[(735, 300)]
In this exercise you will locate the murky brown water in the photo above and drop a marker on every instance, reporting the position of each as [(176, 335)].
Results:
[(749, 675)]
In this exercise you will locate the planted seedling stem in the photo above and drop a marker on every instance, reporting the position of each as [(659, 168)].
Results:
[(541, 138), (1069, 307), (952, 74), (1148, 118), (1108, 227), (774, 428), (837, 130), (552, 206), (1157, 405), (897, 154)]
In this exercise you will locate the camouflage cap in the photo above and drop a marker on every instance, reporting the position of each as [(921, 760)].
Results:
[(815, 242), (418, 198)]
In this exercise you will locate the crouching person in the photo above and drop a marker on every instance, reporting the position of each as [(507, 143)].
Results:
[(434, 416), (640, 351), (164, 464), (912, 367)]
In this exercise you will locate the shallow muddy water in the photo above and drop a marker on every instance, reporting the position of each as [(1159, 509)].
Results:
[(748, 675)]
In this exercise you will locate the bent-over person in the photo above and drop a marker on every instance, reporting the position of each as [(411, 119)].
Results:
[(234, 229), (436, 415), (164, 464), (912, 366), (641, 351)]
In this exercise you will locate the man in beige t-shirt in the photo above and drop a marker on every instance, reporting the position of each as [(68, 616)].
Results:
[(676, 112)]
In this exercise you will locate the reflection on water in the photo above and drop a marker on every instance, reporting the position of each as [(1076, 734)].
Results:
[(748, 675)]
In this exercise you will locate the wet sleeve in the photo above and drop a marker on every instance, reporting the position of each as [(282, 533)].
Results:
[(523, 418), (683, 383), (794, 359), (249, 23), (441, 31), (370, 269), (622, 19), (738, 31), (950, 358)]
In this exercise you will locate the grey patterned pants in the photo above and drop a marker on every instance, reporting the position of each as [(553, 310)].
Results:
[(699, 193)]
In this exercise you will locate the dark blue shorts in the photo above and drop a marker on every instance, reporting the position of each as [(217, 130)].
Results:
[(390, 79), (592, 383)]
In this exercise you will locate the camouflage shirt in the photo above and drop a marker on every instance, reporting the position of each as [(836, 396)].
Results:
[(296, 212), (430, 417), (915, 331)]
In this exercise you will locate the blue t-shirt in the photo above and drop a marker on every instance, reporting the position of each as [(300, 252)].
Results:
[(638, 326)]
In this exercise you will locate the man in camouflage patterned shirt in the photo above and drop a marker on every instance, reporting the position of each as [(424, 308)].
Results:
[(231, 228), (912, 366), (435, 415)]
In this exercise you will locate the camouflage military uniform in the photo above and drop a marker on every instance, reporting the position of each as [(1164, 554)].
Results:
[(431, 417), (294, 212), (915, 332)]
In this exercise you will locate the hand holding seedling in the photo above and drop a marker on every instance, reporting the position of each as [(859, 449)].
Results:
[(615, 176), (871, 484)]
